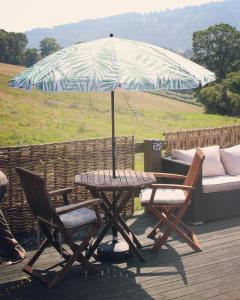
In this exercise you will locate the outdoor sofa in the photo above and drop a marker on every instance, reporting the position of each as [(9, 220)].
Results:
[(217, 194)]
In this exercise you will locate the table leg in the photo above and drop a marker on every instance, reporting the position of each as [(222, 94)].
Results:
[(130, 243), (126, 228), (112, 210), (99, 239)]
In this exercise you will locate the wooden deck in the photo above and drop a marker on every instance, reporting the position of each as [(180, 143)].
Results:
[(175, 272)]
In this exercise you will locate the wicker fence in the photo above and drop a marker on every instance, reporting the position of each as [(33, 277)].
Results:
[(58, 163), (223, 136)]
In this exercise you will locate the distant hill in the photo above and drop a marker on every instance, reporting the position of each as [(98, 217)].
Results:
[(170, 29)]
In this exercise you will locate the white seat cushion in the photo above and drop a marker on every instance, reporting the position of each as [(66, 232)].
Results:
[(231, 160), (220, 183), (78, 217), (163, 196)]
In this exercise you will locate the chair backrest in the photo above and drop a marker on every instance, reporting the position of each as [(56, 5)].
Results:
[(36, 193), (195, 169)]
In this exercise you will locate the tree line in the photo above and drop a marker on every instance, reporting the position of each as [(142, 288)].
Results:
[(218, 49), (13, 49)]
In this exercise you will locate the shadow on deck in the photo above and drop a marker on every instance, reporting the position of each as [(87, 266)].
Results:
[(175, 272)]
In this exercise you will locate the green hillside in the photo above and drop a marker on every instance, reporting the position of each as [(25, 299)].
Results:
[(28, 117)]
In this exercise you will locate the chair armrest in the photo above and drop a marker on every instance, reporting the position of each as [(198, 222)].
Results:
[(171, 186), (60, 191), (64, 192), (169, 175), (71, 207)]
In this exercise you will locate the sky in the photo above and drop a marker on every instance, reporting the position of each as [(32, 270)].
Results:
[(22, 15)]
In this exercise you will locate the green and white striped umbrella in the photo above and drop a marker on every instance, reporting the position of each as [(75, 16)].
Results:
[(107, 64), (110, 63)]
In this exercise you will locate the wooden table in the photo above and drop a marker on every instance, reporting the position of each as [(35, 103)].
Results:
[(122, 189)]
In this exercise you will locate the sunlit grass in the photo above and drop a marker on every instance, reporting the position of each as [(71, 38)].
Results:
[(29, 117)]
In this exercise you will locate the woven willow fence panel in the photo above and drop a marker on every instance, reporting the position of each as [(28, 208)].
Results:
[(223, 136), (58, 163)]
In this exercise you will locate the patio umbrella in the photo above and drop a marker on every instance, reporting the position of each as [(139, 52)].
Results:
[(105, 65)]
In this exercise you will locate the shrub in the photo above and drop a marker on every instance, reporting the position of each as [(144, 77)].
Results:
[(222, 98)]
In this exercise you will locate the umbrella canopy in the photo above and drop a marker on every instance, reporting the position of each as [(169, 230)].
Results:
[(107, 64), (110, 63)]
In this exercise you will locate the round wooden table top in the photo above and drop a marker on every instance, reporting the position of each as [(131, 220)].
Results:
[(125, 179)]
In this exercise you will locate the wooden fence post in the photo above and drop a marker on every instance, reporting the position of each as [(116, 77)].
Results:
[(152, 155)]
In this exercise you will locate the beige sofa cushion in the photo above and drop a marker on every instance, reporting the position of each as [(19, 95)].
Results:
[(184, 155), (231, 160), (220, 183), (212, 165)]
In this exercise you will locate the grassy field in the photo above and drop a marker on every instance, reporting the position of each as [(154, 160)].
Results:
[(28, 117)]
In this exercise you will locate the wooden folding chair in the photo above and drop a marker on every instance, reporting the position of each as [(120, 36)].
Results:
[(58, 223), (169, 202)]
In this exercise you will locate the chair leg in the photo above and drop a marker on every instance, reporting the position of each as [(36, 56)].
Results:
[(193, 243), (157, 227), (173, 226), (61, 273), (38, 253), (28, 268), (160, 241), (152, 234), (190, 234)]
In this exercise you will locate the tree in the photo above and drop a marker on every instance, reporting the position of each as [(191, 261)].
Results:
[(12, 47), (218, 48), (31, 56), (48, 46), (3, 45), (222, 98), (17, 43)]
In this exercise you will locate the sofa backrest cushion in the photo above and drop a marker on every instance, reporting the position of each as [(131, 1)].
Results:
[(231, 160), (184, 155), (212, 165)]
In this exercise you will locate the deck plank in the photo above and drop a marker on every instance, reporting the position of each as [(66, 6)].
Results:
[(175, 272)]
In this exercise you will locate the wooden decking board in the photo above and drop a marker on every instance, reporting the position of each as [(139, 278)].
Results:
[(233, 295), (205, 251), (117, 286), (173, 272), (206, 289), (153, 288), (164, 282), (167, 257), (46, 257)]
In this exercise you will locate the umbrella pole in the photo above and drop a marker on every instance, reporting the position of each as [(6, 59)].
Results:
[(113, 136)]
